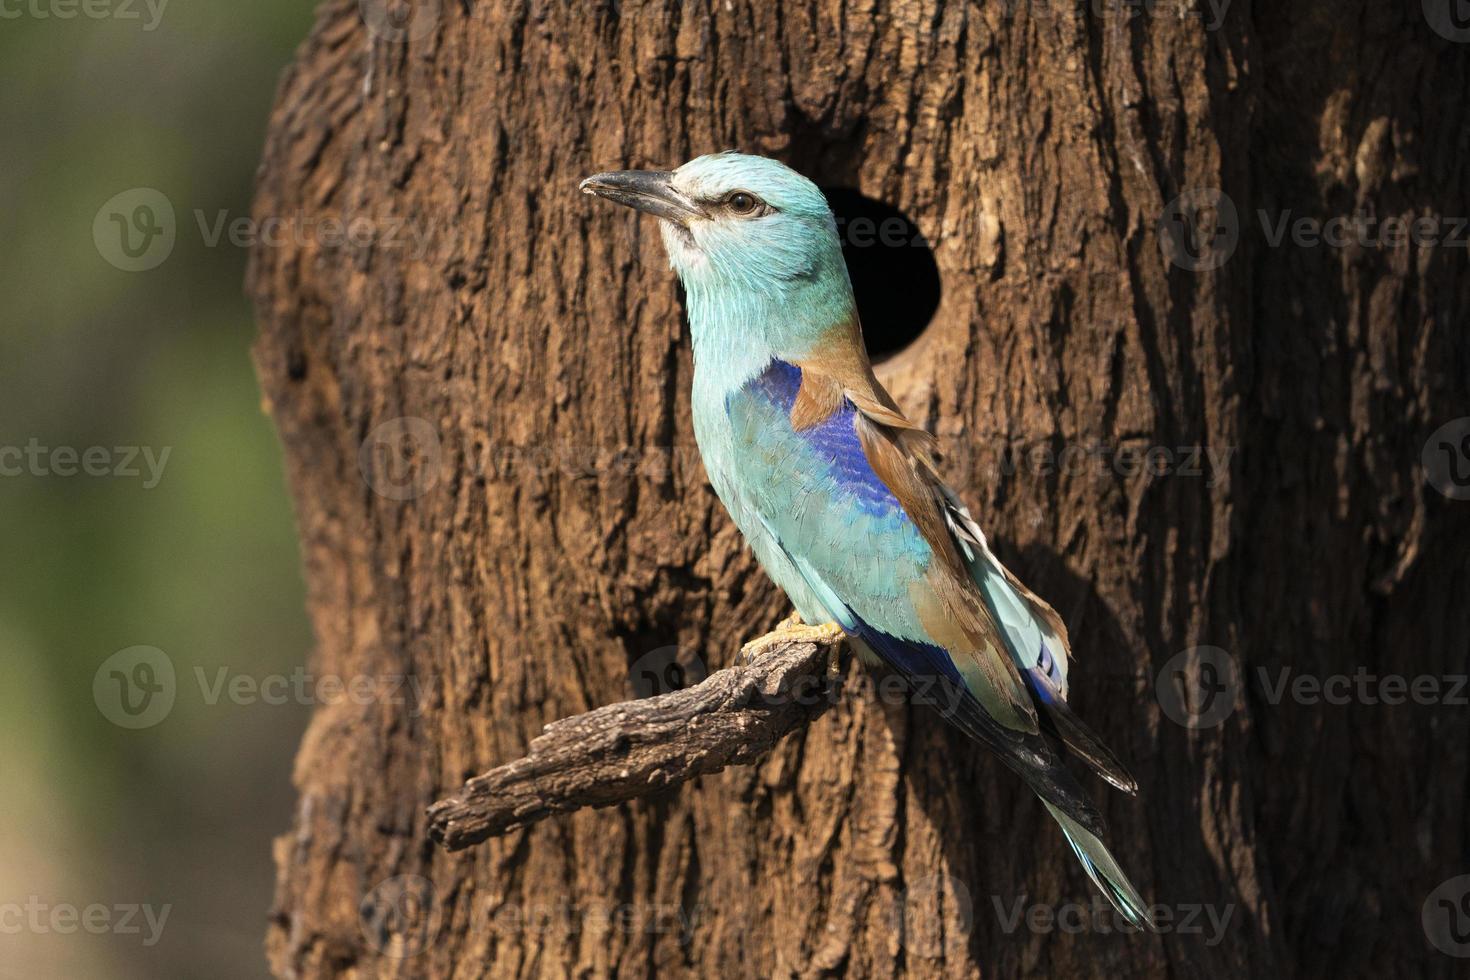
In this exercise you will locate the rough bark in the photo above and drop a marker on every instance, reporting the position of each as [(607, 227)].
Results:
[(555, 531)]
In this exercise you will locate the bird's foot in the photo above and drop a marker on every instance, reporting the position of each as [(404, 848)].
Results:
[(792, 628)]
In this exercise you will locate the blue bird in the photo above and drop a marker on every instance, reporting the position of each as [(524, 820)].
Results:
[(837, 491)]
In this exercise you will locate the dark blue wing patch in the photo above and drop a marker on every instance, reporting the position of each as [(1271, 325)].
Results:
[(834, 440)]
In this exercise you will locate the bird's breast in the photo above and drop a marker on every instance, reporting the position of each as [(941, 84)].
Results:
[(744, 490)]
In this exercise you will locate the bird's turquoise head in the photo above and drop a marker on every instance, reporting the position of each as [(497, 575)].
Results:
[(755, 245)]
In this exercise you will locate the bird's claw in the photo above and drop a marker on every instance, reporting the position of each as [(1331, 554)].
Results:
[(792, 628)]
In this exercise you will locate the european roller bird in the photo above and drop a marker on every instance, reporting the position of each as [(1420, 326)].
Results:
[(837, 492)]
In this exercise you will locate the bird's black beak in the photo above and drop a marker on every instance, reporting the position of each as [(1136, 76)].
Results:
[(645, 190)]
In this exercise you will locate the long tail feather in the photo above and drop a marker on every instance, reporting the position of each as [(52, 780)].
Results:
[(1103, 869), (1058, 718)]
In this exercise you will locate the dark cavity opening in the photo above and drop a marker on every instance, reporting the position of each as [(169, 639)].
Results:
[(894, 276)]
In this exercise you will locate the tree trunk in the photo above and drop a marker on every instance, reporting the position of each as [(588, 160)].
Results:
[(483, 400)]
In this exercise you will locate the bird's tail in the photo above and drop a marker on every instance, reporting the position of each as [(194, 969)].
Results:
[(1103, 869)]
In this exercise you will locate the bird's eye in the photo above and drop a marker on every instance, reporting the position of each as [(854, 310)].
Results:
[(743, 203)]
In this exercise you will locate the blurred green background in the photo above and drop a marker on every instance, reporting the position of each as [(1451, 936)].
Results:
[(203, 565)]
